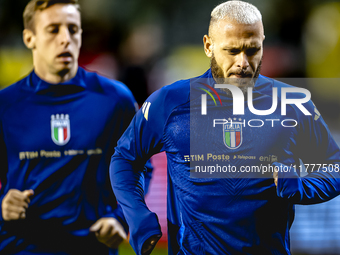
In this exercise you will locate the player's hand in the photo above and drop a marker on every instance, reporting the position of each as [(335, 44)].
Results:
[(276, 175), (15, 204), (109, 232), (150, 244)]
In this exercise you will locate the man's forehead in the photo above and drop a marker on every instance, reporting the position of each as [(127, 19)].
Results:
[(58, 13), (227, 27), (230, 44)]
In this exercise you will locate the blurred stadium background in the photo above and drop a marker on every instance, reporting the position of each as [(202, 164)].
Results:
[(150, 43)]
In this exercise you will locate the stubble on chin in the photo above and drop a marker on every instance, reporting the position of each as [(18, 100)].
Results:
[(242, 83)]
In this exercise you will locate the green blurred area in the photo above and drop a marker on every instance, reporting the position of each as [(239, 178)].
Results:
[(126, 249)]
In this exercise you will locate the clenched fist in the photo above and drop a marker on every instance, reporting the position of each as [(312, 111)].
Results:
[(15, 204), (109, 231)]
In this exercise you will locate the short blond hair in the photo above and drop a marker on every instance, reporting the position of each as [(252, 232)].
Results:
[(39, 5), (238, 11)]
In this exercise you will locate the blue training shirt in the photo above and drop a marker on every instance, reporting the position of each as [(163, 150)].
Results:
[(58, 140), (233, 212)]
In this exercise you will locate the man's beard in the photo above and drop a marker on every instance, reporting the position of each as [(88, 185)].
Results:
[(241, 83)]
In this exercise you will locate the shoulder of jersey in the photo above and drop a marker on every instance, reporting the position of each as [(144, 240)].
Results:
[(266, 84), (101, 84), (12, 94), (164, 100), (173, 94)]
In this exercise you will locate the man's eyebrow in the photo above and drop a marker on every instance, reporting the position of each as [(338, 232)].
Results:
[(231, 47), (59, 24), (255, 46), (73, 24), (52, 25)]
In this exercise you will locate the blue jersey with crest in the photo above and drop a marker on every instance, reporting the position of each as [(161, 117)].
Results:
[(221, 195), (58, 140)]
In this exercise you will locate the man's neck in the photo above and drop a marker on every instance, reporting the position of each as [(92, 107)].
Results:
[(55, 78)]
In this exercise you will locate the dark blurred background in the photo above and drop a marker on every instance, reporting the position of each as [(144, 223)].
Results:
[(151, 43)]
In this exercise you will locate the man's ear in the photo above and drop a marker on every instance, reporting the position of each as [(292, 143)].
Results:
[(29, 38), (208, 46)]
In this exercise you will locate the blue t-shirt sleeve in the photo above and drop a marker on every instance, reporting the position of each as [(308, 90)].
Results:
[(3, 170), (141, 140), (126, 106), (4, 102), (320, 155)]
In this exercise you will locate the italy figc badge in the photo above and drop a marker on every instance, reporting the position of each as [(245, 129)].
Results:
[(232, 135), (60, 129)]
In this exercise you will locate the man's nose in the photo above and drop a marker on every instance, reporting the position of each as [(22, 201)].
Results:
[(64, 36), (242, 60)]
